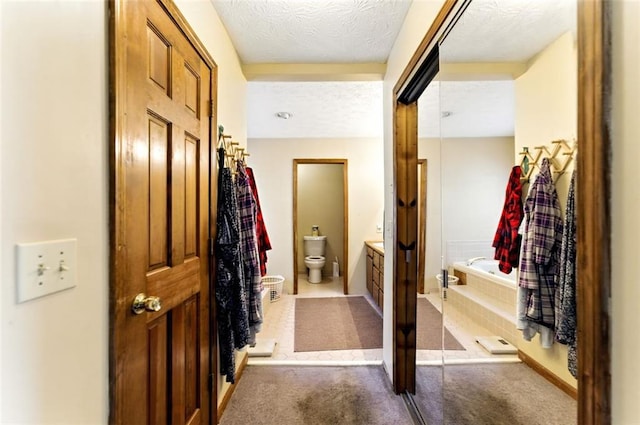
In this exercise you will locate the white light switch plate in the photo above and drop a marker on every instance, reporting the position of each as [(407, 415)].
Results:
[(45, 268)]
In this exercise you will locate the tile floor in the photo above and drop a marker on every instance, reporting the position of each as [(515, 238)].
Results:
[(279, 326)]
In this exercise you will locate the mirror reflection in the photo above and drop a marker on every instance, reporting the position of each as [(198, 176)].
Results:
[(498, 127)]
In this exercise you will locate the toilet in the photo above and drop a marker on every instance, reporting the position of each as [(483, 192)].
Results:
[(314, 257)]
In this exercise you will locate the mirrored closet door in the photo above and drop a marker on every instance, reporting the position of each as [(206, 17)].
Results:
[(498, 126)]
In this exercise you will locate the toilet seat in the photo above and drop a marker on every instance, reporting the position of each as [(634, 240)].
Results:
[(314, 258)]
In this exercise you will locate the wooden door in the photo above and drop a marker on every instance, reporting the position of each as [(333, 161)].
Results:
[(162, 85)]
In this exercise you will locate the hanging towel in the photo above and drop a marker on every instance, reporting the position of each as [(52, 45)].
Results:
[(507, 240), (231, 298), (540, 255), (566, 311), (248, 244), (264, 244)]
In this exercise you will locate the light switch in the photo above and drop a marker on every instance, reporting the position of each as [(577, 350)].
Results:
[(45, 268)]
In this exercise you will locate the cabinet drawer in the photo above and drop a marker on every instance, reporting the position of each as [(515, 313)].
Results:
[(375, 276), (376, 259), (369, 252)]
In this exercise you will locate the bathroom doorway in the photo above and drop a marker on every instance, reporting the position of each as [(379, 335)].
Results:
[(320, 198)]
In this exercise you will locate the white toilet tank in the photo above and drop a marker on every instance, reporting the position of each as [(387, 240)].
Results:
[(314, 245)]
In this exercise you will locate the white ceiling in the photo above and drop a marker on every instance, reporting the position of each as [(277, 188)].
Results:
[(507, 30), (312, 31), (355, 31), (320, 109)]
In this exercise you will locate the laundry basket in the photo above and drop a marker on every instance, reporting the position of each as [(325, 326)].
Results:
[(274, 285)]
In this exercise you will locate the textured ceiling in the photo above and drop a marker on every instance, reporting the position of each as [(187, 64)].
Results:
[(320, 109), (312, 31), (474, 109), (507, 30), (330, 31)]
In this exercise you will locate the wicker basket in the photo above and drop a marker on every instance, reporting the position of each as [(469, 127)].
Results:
[(274, 285)]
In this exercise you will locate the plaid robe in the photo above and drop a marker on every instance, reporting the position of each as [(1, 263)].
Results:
[(507, 240), (540, 254), (248, 244)]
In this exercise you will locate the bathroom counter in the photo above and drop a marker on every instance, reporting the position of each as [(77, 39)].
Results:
[(376, 246), (375, 271)]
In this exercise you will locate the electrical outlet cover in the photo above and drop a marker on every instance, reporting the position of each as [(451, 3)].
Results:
[(45, 267)]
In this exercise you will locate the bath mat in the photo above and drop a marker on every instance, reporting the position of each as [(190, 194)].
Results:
[(338, 323), (429, 329)]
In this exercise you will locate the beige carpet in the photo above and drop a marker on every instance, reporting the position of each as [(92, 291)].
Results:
[(491, 394), (429, 329), (341, 323), (351, 323), (274, 395)]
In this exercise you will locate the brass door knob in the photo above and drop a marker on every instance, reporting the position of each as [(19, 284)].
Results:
[(142, 303)]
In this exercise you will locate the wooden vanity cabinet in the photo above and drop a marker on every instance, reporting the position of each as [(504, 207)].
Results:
[(375, 275)]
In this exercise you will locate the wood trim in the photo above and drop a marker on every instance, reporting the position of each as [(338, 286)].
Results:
[(548, 375), (295, 227), (405, 274), (345, 236), (425, 45), (593, 218), (422, 225), (227, 395), (345, 226)]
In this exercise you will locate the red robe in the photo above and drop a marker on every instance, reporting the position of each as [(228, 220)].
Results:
[(507, 240)]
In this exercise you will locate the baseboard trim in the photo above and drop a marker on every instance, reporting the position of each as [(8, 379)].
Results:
[(227, 395), (548, 375)]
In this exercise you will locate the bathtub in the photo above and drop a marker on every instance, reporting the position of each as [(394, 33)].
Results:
[(488, 269)]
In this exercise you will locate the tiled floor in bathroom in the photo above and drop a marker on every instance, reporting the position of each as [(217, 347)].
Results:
[(279, 326)]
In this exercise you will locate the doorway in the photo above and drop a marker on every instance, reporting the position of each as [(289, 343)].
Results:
[(320, 208)]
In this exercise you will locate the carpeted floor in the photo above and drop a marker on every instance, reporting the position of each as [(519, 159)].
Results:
[(340, 323), (270, 395), (491, 394)]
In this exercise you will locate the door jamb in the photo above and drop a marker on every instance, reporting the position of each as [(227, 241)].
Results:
[(345, 236)]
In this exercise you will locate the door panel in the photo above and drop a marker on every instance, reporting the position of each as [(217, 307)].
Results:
[(160, 360)]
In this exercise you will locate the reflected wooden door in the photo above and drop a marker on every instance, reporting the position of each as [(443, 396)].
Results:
[(160, 361)]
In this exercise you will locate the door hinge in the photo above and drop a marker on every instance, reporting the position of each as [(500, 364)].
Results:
[(212, 247), (210, 382), (211, 108)]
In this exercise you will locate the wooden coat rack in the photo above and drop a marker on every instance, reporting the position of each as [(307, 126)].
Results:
[(560, 155)]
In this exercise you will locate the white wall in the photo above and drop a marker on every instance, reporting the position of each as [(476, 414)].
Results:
[(625, 290), (54, 185), (416, 24), (1, 215), (272, 162), (546, 110), (466, 182), (54, 171)]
